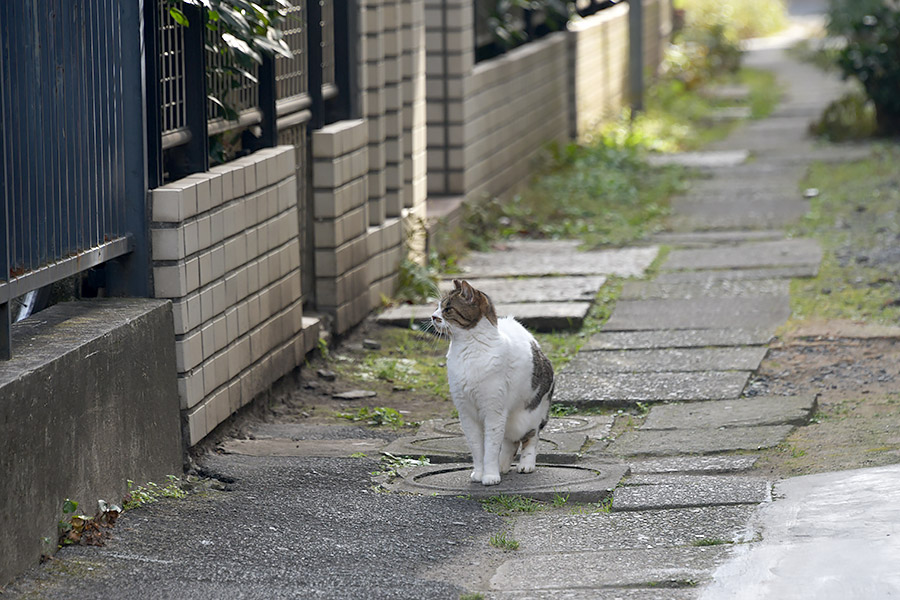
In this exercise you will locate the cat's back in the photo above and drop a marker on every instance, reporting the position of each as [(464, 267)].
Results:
[(510, 350), (517, 337)]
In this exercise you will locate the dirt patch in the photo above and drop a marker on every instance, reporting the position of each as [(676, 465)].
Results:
[(404, 368), (857, 380)]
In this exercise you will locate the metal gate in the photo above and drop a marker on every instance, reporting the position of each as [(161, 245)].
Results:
[(72, 176)]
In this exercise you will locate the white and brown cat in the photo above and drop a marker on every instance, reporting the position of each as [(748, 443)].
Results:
[(500, 381)]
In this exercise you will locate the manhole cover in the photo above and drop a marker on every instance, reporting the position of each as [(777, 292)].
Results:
[(588, 482)]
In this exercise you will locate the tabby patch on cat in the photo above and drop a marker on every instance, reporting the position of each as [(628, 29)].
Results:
[(500, 381)]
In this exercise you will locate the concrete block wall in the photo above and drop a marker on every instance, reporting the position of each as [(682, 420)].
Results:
[(450, 44), (599, 62), (486, 121), (87, 402), (226, 251), (515, 105), (361, 210)]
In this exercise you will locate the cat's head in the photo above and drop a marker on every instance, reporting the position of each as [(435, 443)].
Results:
[(463, 308)]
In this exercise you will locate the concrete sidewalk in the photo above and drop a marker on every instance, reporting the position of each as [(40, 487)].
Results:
[(297, 517)]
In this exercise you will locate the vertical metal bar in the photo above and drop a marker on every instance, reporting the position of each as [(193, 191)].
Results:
[(89, 116), (314, 41), (43, 107), (267, 94), (103, 57), (152, 93), (636, 55), (5, 28), (346, 105), (5, 333), (193, 157), (130, 275), (71, 119), (56, 123), (31, 197)]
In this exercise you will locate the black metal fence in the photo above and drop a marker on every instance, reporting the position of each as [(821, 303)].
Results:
[(499, 27), (91, 120), (71, 145), (291, 92)]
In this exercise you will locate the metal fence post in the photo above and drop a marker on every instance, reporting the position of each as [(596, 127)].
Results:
[(345, 40), (152, 112), (193, 157), (267, 95), (314, 49), (5, 333), (636, 54), (130, 275)]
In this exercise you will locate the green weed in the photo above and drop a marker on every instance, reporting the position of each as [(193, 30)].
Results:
[(508, 505), (503, 541), (138, 496), (854, 217), (376, 417), (709, 542)]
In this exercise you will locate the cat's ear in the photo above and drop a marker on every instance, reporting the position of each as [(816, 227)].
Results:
[(456, 284), (467, 291)]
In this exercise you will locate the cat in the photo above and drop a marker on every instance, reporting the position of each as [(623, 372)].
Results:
[(500, 381)]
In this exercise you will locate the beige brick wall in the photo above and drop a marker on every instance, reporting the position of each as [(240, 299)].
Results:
[(516, 104), (600, 64), (487, 121), (361, 210), (449, 40), (226, 252)]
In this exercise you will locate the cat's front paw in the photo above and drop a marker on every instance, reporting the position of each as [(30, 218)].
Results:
[(525, 468), (491, 479), (475, 476)]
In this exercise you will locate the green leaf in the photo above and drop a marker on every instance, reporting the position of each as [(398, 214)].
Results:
[(228, 112), (178, 16), (69, 506), (274, 47), (241, 47)]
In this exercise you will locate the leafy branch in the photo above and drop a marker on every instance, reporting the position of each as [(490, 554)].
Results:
[(243, 32)]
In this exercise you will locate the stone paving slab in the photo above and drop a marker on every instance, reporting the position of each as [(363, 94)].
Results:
[(288, 447), (536, 289), (592, 426), (742, 412), (730, 113), (677, 338), (589, 481), (660, 567), (626, 389), (561, 440), (537, 316), (721, 158), (600, 593), (549, 258), (593, 532), (781, 253), (739, 274), (668, 359), (644, 442), (727, 93), (716, 288), (716, 237), (654, 492), (708, 465), (703, 214), (700, 313)]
